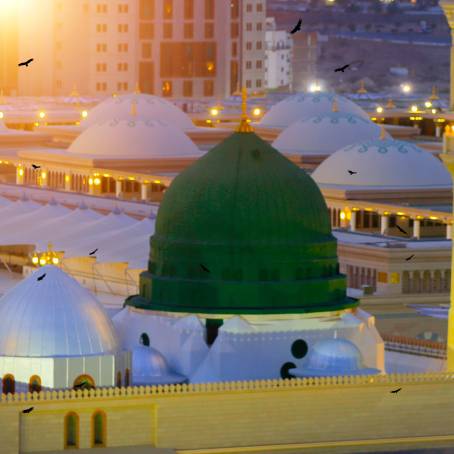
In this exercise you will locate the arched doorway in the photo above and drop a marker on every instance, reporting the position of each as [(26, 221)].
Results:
[(98, 429), (34, 384), (71, 430), (144, 339), (84, 382), (118, 381), (127, 377), (8, 384)]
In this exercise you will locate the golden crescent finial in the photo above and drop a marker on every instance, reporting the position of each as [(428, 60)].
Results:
[(244, 123)]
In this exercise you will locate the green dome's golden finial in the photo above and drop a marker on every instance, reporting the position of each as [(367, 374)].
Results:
[(137, 89), (244, 123)]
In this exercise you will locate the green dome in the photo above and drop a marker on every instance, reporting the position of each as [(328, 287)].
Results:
[(259, 226)]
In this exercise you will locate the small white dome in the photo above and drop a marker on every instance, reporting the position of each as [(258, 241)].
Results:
[(333, 357), (382, 163), (53, 317), (306, 105), (325, 133), (134, 138), (147, 106), (149, 367)]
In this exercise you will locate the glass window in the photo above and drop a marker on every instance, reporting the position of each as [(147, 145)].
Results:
[(118, 380), (146, 50), (146, 30), (167, 12), (187, 88), (127, 377), (168, 31), (34, 384), (146, 9), (8, 384), (235, 8), (189, 9), (99, 429), (71, 430), (209, 30), (208, 88), (209, 9), (188, 31)]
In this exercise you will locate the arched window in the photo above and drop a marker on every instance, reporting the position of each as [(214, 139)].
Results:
[(84, 382), (8, 384), (144, 339), (118, 382), (98, 429), (34, 384), (127, 377), (71, 430)]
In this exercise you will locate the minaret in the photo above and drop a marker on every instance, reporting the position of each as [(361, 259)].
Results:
[(448, 8), (137, 89), (335, 107), (390, 104), (434, 95), (244, 123), (133, 108), (382, 132), (362, 89)]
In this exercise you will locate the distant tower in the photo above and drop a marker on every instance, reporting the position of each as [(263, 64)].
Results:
[(362, 89), (434, 95), (448, 8)]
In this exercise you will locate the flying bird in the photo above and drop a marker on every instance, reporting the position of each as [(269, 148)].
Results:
[(401, 229), (351, 172), (93, 252), (28, 410), (26, 63), (35, 166), (81, 384), (41, 277), (204, 268), (297, 27), (396, 391), (342, 68), (409, 258)]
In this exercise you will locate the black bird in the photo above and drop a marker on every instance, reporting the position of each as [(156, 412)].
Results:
[(401, 229), (35, 166), (351, 172), (93, 252), (41, 277), (396, 391), (28, 410), (81, 384), (26, 63), (409, 258), (341, 69), (204, 268), (297, 27)]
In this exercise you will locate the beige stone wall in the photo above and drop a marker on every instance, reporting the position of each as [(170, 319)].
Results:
[(239, 414)]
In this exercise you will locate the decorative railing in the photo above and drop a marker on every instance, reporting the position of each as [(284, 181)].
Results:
[(234, 386), (412, 341)]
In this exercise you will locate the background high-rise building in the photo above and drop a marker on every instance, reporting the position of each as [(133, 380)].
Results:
[(171, 48), (8, 48)]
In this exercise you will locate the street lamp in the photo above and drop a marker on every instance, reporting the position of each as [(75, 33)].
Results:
[(406, 88)]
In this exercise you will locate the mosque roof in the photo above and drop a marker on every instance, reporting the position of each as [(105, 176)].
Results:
[(257, 222), (382, 163), (53, 317), (148, 106), (306, 105), (325, 133), (134, 138)]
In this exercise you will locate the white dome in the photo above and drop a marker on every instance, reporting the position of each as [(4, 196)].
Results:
[(148, 106), (136, 139), (382, 163), (53, 317), (325, 133), (306, 105)]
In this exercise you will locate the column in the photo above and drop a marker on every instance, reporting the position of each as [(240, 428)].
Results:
[(144, 191), (353, 221), (384, 224), (416, 229), (68, 177), (43, 178), (91, 185), (449, 231), (20, 171), (437, 131), (118, 188)]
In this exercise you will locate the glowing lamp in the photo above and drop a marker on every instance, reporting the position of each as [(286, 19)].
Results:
[(157, 181), (379, 109), (414, 108), (35, 260), (314, 87), (1, 115), (256, 112), (42, 261), (428, 104), (406, 88), (84, 114), (43, 175), (342, 215), (97, 181), (55, 260), (21, 172), (434, 218), (399, 213), (90, 181), (67, 178), (434, 111), (214, 112), (42, 114)]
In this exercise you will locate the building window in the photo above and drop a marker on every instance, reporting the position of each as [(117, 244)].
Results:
[(167, 12), (259, 26), (101, 28), (168, 31), (71, 430), (8, 384), (146, 9), (34, 384), (145, 340), (84, 381), (209, 30), (118, 380), (209, 9), (258, 64), (187, 88), (188, 31), (234, 30), (123, 47), (123, 8), (98, 429), (101, 9), (122, 86), (235, 9), (123, 28), (258, 83), (258, 45), (248, 64), (234, 49), (248, 26), (189, 9), (146, 31), (146, 50), (127, 377), (249, 8), (382, 277), (101, 67), (208, 88), (395, 278), (122, 66), (248, 45), (248, 84), (101, 47)]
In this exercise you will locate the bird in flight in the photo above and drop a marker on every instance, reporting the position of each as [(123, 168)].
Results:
[(297, 27), (409, 258), (28, 410), (204, 268), (354, 65), (35, 166), (41, 277), (26, 63), (93, 252), (351, 172), (341, 69), (401, 229), (396, 391)]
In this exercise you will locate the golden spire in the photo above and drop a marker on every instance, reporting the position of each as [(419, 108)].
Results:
[(244, 123), (137, 89), (434, 95), (382, 132), (390, 104), (362, 88), (114, 95), (335, 107), (133, 108)]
